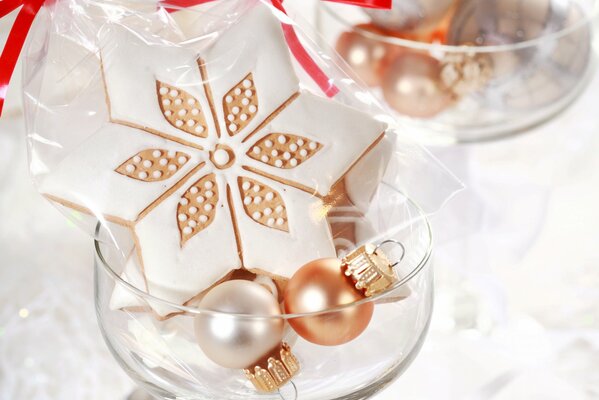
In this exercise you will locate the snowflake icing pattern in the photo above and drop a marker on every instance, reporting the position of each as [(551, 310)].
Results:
[(236, 168), (197, 207)]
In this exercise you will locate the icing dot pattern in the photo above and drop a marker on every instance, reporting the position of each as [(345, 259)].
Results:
[(263, 204), (197, 207), (283, 151), (240, 105), (153, 165), (181, 110)]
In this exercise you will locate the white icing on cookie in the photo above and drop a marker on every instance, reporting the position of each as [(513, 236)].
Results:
[(362, 181)]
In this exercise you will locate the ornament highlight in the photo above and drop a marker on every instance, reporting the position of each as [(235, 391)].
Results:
[(237, 342), (330, 283), (411, 15), (413, 86)]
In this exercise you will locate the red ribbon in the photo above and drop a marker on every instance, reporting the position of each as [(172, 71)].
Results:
[(16, 38), (30, 8), (301, 55)]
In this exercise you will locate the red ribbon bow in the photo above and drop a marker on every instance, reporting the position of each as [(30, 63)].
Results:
[(30, 8)]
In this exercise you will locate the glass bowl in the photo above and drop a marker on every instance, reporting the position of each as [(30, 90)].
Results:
[(530, 61), (163, 358)]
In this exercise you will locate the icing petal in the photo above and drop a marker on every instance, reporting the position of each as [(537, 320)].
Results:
[(283, 151), (240, 105), (263, 204), (341, 137), (133, 72), (253, 48), (197, 207), (87, 176), (181, 110), (280, 252), (153, 165)]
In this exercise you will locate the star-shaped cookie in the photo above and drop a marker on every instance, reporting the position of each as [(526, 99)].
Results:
[(215, 158)]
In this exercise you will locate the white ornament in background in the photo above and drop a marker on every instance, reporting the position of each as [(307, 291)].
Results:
[(411, 15), (195, 211)]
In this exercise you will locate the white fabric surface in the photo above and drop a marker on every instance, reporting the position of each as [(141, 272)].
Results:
[(50, 345), (517, 309)]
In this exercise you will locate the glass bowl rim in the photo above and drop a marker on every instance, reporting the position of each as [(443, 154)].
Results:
[(587, 20), (197, 311)]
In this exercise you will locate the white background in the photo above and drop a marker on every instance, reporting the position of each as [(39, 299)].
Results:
[(517, 310)]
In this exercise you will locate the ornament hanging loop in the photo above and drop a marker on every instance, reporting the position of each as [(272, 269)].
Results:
[(293, 396), (397, 243)]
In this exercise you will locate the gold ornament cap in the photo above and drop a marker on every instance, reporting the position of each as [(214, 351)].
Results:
[(279, 371), (370, 269)]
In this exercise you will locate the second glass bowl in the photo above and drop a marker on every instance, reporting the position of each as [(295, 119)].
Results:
[(512, 64)]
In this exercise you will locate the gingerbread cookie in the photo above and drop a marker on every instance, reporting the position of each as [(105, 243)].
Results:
[(213, 157)]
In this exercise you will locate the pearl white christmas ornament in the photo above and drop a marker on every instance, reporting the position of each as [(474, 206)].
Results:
[(532, 76), (411, 15), (239, 342)]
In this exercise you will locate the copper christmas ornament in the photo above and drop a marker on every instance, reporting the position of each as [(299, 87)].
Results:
[(318, 286), (413, 86), (366, 55), (411, 15), (330, 283)]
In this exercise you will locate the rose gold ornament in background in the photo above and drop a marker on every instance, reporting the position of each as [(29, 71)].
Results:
[(367, 56), (412, 85), (321, 285)]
